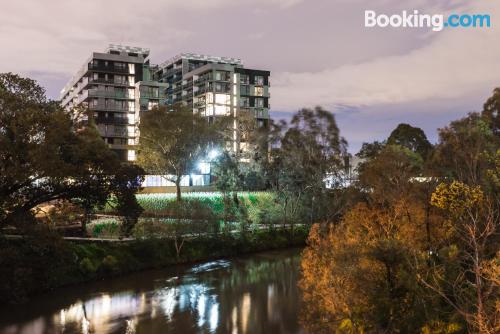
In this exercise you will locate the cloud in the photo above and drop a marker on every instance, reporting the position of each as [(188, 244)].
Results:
[(57, 36), (453, 63)]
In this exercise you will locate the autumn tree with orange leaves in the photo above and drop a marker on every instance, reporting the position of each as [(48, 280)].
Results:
[(420, 252)]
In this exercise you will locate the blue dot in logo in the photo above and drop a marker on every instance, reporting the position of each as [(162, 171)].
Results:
[(446, 24)]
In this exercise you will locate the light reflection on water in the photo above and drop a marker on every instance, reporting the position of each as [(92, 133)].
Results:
[(257, 294)]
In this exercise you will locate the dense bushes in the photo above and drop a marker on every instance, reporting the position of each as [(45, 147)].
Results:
[(161, 204), (35, 264)]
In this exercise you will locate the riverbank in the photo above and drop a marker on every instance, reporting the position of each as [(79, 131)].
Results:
[(251, 293), (38, 264)]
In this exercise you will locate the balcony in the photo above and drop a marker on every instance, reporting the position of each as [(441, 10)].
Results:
[(171, 71), (111, 94), (199, 104), (201, 79), (151, 96), (102, 68), (202, 91), (107, 82), (111, 120), (261, 113), (101, 107)]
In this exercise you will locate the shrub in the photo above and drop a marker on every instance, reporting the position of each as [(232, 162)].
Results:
[(109, 265), (104, 228), (87, 268)]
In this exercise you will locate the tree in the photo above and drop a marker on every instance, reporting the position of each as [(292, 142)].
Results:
[(356, 275), (410, 256), (388, 175), (472, 289), (126, 184), (310, 150), (370, 150), (46, 155), (491, 111), (173, 142), (464, 147), (228, 180), (412, 138)]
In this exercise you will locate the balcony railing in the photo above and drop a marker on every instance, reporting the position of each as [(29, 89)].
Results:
[(151, 96), (109, 108), (111, 120), (108, 82), (101, 68), (112, 94)]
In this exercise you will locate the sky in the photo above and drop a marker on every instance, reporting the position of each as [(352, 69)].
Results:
[(318, 51)]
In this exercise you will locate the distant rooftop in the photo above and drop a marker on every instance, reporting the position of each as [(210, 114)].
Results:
[(127, 48), (195, 56)]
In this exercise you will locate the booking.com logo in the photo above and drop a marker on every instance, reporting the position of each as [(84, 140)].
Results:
[(416, 20)]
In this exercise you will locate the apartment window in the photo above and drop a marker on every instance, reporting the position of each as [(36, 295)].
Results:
[(244, 102), (221, 76), (131, 68), (222, 99), (259, 80), (258, 91), (120, 130), (120, 66), (152, 104), (244, 79), (244, 90), (259, 103), (120, 79)]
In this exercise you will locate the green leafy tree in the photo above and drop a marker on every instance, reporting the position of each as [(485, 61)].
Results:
[(412, 138), (126, 184), (370, 150), (310, 149), (491, 111), (465, 149), (173, 142), (388, 175), (46, 155)]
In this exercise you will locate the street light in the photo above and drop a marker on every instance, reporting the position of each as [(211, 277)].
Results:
[(213, 154)]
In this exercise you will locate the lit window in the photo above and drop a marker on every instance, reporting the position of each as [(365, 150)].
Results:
[(131, 118), (222, 110), (131, 155), (259, 91), (222, 99)]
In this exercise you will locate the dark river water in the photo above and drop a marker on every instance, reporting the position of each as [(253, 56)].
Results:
[(251, 294)]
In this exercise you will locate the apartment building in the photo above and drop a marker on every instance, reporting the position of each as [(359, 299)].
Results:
[(120, 83), (217, 86), (115, 85)]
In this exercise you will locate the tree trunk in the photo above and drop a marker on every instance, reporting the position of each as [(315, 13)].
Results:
[(85, 221), (178, 188)]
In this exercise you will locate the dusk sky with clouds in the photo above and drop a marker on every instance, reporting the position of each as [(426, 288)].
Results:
[(318, 52)]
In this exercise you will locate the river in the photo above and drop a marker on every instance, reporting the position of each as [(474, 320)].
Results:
[(251, 294)]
